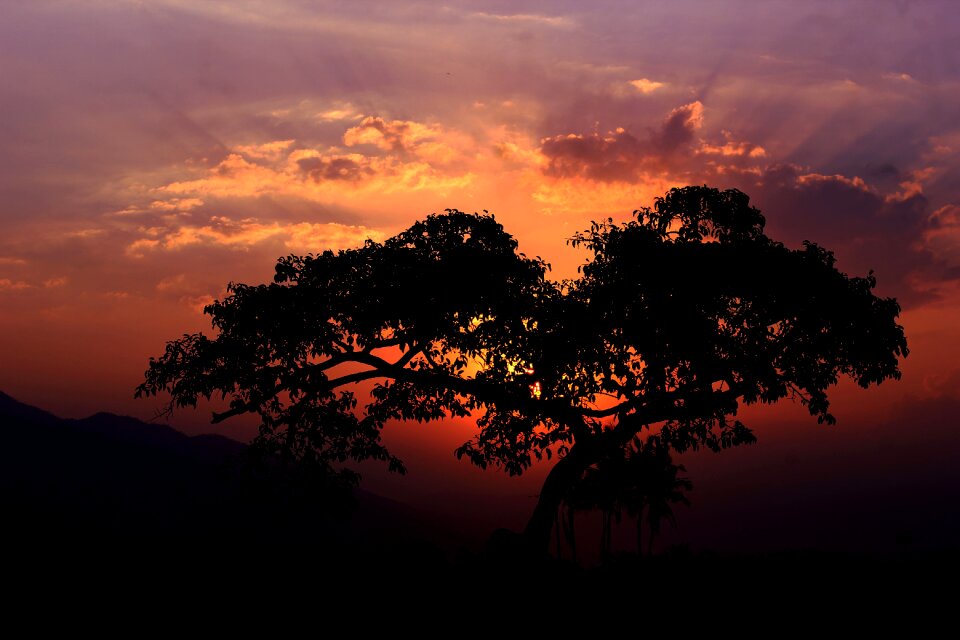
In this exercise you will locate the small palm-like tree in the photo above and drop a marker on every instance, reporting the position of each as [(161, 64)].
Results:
[(586, 495), (658, 486), (601, 489), (645, 483)]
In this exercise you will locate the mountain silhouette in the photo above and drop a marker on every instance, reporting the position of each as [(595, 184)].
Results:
[(148, 505), (121, 486), (118, 429)]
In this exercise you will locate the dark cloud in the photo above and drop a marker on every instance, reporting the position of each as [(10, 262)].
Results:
[(886, 176), (678, 130), (867, 230), (620, 156), (882, 227), (883, 224), (334, 168), (805, 206), (613, 157)]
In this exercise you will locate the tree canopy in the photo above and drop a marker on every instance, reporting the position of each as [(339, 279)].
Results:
[(678, 318)]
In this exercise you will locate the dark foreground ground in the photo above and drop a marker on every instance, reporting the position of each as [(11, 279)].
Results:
[(115, 510)]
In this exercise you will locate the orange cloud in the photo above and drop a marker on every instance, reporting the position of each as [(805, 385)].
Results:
[(173, 284), (811, 179), (417, 159), (732, 148), (646, 86), (680, 124), (186, 290), (242, 234), (233, 177), (266, 150), (520, 153), (913, 185), (176, 204), (13, 285), (591, 198), (943, 236), (396, 135), (305, 236), (901, 77), (344, 112), (562, 22)]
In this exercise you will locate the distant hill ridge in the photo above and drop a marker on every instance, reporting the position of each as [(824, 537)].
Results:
[(123, 429), (112, 482)]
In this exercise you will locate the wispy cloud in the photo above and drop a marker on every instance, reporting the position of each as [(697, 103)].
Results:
[(343, 112), (7, 284), (266, 150), (732, 148), (646, 86), (561, 22), (242, 234)]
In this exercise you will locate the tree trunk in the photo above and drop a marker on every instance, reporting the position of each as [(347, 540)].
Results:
[(572, 533), (559, 526), (640, 533), (606, 535), (603, 537), (563, 475)]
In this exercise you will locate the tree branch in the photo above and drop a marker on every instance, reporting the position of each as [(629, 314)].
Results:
[(379, 370)]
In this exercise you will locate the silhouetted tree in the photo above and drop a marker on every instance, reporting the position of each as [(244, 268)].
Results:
[(652, 484), (679, 316), (600, 489), (641, 480)]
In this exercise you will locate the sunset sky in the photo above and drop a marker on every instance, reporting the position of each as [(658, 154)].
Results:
[(153, 151)]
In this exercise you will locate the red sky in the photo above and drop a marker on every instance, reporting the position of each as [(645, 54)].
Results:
[(152, 152)]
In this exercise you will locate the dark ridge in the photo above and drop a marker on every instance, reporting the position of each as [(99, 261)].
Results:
[(118, 486), (12, 409), (111, 495)]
